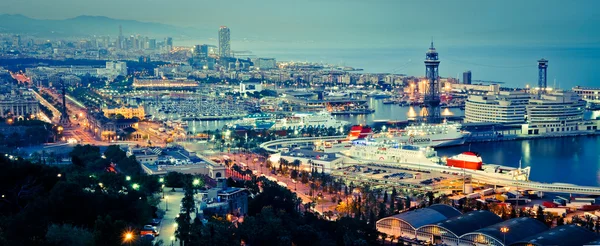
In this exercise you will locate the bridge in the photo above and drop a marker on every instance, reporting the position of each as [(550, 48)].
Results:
[(476, 175)]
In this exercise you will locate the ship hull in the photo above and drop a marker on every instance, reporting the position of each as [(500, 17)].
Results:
[(464, 164)]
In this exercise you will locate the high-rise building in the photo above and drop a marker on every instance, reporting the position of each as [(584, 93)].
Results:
[(224, 42), (120, 40), (200, 51), (152, 44), (169, 43), (467, 77)]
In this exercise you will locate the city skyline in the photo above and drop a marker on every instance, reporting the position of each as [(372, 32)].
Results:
[(467, 22)]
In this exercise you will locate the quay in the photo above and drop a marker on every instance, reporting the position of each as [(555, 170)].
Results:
[(476, 175)]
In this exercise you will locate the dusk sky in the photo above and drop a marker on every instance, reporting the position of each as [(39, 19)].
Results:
[(349, 22)]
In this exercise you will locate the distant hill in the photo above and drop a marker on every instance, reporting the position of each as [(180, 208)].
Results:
[(92, 25)]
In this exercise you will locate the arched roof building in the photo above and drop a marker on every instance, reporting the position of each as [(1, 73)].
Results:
[(405, 224), (518, 229), (449, 231), (564, 235)]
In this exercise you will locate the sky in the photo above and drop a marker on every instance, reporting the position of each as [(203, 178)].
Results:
[(379, 23), (497, 40)]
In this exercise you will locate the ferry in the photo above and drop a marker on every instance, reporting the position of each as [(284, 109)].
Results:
[(392, 153), (321, 119), (258, 121), (426, 135)]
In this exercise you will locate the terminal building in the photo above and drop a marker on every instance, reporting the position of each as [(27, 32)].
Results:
[(591, 95), (443, 225), (505, 107), (556, 112)]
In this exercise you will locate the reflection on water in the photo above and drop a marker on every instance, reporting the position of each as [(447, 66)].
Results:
[(392, 112), (566, 160)]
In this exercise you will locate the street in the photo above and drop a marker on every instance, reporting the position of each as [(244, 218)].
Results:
[(167, 226)]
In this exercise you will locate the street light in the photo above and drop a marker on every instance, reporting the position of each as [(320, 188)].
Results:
[(128, 237), (128, 178), (135, 186), (166, 203), (172, 239), (504, 230)]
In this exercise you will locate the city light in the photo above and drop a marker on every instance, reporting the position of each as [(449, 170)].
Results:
[(196, 182), (127, 237), (128, 178), (135, 186), (161, 180)]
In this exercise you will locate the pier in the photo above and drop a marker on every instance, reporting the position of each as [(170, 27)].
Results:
[(476, 175)]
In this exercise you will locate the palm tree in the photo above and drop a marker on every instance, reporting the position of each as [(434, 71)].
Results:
[(392, 237)]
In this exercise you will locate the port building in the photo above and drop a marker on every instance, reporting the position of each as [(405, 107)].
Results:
[(443, 225), (564, 235), (406, 224), (556, 112), (505, 107), (516, 229), (449, 231)]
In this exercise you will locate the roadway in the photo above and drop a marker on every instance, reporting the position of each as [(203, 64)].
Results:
[(168, 226)]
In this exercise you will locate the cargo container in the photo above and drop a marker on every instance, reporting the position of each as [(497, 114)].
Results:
[(473, 195), (590, 207), (585, 199), (560, 201), (487, 192)]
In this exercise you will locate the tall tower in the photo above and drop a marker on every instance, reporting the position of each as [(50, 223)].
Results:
[(224, 42), (543, 72), (64, 118), (120, 38), (431, 100)]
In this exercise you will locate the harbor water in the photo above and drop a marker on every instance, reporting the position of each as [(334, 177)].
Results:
[(574, 160)]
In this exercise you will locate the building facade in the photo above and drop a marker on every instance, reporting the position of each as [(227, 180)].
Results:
[(466, 78), (591, 95), (20, 104), (503, 107), (556, 112), (224, 42), (127, 112)]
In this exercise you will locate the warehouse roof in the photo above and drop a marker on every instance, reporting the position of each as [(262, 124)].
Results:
[(561, 235), (470, 222), (426, 216), (518, 228)]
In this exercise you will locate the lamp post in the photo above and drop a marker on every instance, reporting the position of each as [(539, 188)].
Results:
[(504, 230), (166, 203), (128, 237)]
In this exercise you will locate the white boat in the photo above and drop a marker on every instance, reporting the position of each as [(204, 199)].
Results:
[(321, 119)]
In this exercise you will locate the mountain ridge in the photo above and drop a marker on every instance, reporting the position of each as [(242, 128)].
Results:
[(89, 25)]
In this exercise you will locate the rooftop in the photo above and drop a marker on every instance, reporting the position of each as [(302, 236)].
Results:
[(470, 222), (561, 236), (518, 229), (426, 216)]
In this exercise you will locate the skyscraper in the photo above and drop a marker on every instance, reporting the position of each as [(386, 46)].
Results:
[(120, 38), (169, 43), (224, 42), (467, 77)]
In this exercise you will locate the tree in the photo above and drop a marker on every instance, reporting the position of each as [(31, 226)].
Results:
[(68, 235), (539, 215)]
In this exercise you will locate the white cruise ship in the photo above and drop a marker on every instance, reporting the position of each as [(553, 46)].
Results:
[(314, 120), (391, 153), (424, 135)]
